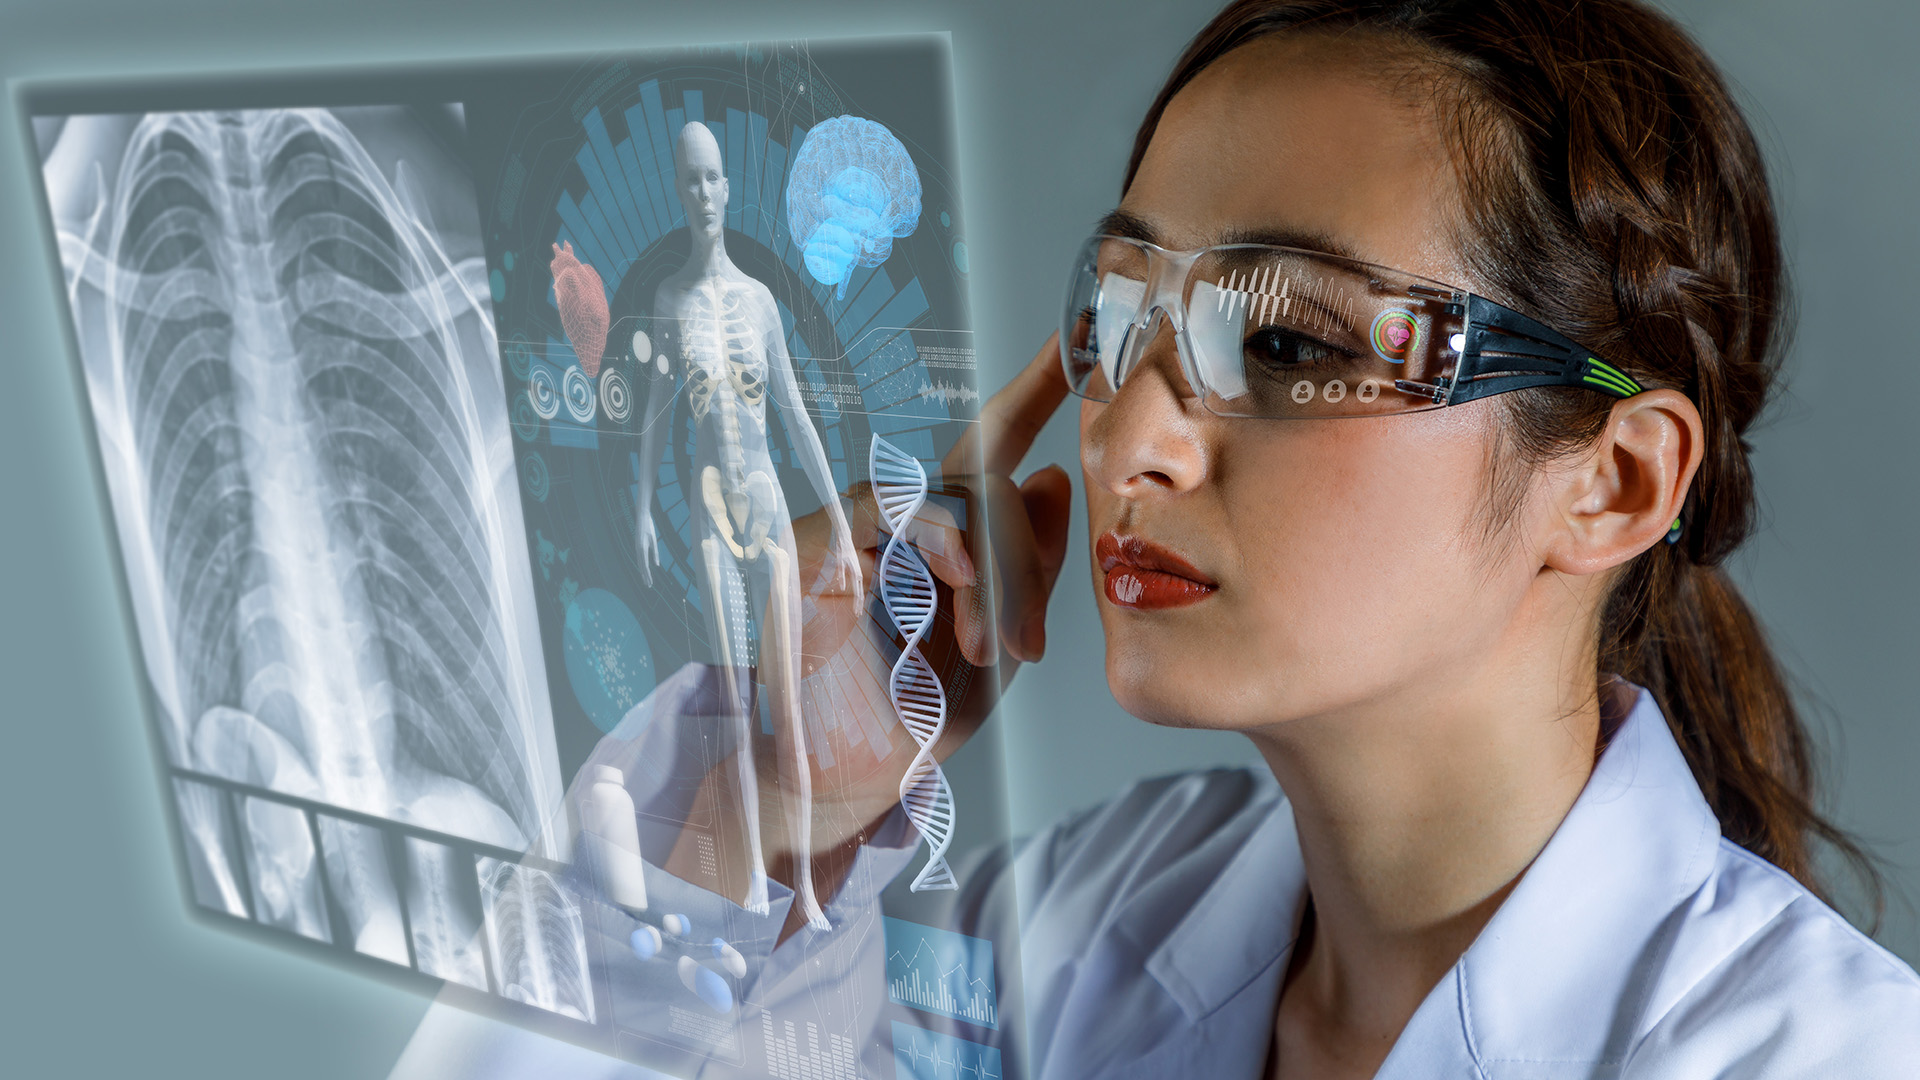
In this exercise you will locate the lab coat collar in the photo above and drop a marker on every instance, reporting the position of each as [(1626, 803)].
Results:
[(1560, 976), (1228, 938), (1563, 972)]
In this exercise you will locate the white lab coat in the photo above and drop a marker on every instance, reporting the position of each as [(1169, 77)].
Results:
[(1640, 944)]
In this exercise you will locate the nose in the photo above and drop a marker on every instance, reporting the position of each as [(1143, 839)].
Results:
[(1148, 438)]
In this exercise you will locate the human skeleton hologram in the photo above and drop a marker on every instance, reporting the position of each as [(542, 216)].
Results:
[(731, 353)]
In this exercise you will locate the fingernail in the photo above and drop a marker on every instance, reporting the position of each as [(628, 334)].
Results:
[(958, 553), (1033, 638)]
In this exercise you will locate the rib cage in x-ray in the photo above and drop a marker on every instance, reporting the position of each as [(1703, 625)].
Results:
[(538, 938), (291, 380)]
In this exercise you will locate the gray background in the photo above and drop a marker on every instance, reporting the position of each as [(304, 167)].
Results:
[(105, 973)]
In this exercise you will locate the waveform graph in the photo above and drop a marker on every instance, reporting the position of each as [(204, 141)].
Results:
[(941, 972), (919, 1054)]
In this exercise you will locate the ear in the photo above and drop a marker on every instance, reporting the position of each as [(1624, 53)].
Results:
[(1621, 499)]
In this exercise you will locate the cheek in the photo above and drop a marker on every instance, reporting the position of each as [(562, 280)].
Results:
[(1360, 564), (1351, 563)]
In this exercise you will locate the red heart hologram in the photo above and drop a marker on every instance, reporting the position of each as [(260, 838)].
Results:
[(583, 307)]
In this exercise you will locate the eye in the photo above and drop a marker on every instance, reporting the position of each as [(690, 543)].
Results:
[(1273, 348)]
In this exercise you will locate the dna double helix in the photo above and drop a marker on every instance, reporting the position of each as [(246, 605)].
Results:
[(906, 590)]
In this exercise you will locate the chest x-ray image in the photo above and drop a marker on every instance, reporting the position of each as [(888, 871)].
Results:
[(283, 321)]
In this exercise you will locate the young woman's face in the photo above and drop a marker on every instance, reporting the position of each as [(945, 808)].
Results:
[(1349, 561)]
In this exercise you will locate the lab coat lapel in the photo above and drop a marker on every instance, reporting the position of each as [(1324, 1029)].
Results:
[(1560, 979), (1230, 936), (1208, 1009)]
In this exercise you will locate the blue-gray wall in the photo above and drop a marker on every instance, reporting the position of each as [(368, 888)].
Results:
[(106, 976)]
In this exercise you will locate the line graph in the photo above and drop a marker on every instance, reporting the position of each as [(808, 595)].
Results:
[(919, 1054), (942, 972)]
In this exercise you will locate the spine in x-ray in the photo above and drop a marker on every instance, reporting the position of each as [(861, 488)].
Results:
[(906, 589)]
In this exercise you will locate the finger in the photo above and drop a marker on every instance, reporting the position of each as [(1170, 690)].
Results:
[(1048, 496), (973, 619), (863, 516), (1012, 418), (1017, 565), (932, 530), (937, 536), (972, 626)]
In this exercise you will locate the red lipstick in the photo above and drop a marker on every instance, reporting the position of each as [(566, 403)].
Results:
[(1142, 574)]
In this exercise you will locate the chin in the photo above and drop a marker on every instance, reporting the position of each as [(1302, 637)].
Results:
[(1162, 686)]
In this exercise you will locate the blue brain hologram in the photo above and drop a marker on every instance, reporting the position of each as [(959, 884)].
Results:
[(852, 191)]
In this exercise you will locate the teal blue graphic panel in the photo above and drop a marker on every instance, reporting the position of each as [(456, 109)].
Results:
[(919, 1054), (942, 972)]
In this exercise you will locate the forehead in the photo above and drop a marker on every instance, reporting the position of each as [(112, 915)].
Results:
[(1310, 135), (698, 148)]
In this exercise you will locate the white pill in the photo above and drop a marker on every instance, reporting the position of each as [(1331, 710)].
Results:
[(730, 959), (706, 984)]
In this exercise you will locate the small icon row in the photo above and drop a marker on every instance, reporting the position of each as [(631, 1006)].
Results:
[(1334, 390)]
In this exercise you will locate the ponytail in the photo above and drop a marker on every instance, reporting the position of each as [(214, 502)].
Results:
[(1611, 189), (1683, 631)]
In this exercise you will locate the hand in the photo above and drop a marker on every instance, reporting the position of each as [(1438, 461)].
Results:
[(840, 570), (1002, 607), (649, 546), (1026, 543)]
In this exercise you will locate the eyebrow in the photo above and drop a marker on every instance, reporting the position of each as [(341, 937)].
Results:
[(1119, 222), (1125, 223)]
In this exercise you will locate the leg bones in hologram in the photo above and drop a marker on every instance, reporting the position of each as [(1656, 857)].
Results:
[(746, 510)]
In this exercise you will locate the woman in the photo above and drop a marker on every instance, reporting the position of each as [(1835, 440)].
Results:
[(1493, 857), (1547, 806)]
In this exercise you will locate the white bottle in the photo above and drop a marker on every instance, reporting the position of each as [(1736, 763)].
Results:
[(611, 837)]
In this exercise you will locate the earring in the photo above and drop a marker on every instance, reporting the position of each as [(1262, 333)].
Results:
[(1673, 532)]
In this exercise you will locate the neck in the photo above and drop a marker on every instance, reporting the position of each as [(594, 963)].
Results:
[(1416, 816), (708, 255)]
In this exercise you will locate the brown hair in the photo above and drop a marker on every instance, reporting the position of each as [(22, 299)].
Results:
[(1612, 190)]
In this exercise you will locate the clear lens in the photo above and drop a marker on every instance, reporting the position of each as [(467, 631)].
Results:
[(1105, 301), (1269, 331)]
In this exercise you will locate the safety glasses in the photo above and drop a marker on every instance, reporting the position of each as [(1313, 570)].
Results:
[(1285, 333)]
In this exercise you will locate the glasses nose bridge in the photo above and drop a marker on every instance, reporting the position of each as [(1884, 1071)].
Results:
[(1163, 298), (1167, 273), (1166, 287)]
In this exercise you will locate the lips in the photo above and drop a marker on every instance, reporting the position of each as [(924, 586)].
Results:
[(1143, 575)]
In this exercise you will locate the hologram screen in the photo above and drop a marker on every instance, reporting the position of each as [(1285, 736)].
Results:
[(472, 455)]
